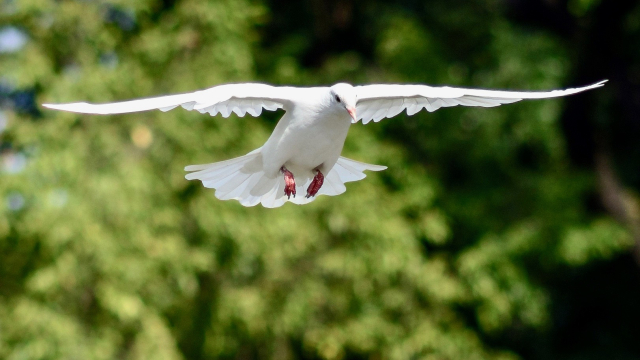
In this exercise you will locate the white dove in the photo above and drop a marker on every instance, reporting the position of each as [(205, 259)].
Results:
[(303, 152)]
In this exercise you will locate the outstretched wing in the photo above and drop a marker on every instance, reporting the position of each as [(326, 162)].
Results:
[(224, 99), (376, 102)]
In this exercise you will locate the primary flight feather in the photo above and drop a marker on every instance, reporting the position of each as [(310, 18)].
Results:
[(302, 155)]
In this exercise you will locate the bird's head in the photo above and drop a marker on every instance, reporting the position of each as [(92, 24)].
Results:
[(344, 95)]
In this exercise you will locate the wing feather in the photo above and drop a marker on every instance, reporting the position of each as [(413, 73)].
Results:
[(376, 102), (224, 99)]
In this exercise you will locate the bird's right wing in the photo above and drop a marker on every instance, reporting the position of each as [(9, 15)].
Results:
[(224, 99), (376, 102)]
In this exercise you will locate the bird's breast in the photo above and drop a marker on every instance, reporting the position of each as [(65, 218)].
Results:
[(308, 140)]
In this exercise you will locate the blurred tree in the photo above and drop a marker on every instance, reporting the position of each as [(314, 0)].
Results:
[(483, 240)]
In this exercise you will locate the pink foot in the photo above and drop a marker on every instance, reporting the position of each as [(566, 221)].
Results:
[(315, 185), (289, 183)]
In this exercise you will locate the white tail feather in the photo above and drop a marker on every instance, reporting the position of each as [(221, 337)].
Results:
[(243, 179)]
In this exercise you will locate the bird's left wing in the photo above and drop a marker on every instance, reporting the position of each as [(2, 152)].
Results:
[(224, 99), (376, 102)]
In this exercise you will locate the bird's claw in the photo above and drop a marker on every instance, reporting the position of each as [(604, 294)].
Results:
[(289, 183), (315, 185)]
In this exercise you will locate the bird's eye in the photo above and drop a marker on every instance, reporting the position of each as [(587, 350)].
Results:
[(338, 98)]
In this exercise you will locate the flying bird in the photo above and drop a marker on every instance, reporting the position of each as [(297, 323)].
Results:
[(301, 159)]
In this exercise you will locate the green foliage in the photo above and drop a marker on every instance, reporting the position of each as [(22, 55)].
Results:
[(107, 252)]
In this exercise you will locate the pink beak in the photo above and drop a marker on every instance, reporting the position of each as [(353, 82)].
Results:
[(352, 112)]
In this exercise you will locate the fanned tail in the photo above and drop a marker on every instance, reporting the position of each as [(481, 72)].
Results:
[(243, 179), (345, 170)]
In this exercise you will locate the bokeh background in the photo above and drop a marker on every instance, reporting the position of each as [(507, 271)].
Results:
[(502, 233)]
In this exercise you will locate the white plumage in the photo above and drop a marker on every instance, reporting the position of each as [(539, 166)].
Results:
[(308, 140)]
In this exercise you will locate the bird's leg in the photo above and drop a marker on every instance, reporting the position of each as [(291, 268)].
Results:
[(289, 183), (315, 185)]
